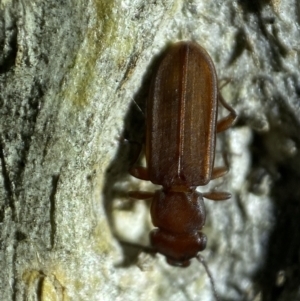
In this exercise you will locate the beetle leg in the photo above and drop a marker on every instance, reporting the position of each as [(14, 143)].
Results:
[(140, 172), (217, 195), (227, 121), (226, 80), (219, 172), (138, 248), (141, 195), (146, 249)]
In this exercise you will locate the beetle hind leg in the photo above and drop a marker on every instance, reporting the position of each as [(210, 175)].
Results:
[(219, 172)]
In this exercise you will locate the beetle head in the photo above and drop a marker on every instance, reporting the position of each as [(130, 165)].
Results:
[(178, 249)]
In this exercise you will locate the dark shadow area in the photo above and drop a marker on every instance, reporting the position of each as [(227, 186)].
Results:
[(129, 147), (253, 6), (9, 48), (118, 171), (242, 43), (279, 278)]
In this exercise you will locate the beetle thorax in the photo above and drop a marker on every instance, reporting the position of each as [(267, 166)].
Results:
[(179, 217)]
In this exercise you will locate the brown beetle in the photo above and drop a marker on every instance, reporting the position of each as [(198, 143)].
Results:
[(181, 123)]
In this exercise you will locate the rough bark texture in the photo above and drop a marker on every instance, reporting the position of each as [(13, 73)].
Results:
[(69, 72)]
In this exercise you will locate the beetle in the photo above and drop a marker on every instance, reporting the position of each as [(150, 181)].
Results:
[(181, 128)]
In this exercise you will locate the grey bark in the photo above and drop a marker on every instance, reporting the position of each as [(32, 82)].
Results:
[(74, 78)]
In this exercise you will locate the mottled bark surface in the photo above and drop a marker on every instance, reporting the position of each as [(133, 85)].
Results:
[(71, 76)]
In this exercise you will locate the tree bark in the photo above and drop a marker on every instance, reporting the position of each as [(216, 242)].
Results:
[(74, 78)]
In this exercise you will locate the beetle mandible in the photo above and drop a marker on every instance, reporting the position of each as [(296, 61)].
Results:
[(181, 127)]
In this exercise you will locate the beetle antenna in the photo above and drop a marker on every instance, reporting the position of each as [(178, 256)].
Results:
[(139, 108), (212, 282)]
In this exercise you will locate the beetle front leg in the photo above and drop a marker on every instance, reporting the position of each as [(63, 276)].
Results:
[(229, 120), (217, 195)]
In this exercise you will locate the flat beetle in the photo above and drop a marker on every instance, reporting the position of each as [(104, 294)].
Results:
[(181, 127)]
